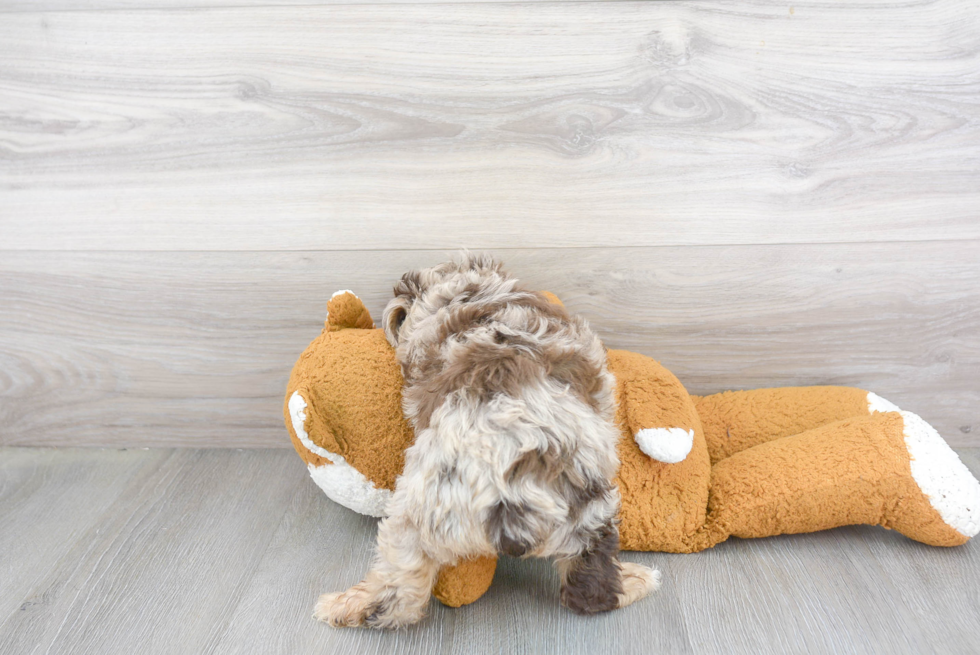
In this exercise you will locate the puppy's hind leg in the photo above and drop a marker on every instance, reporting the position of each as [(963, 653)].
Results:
[(395, 591), (594, 580)]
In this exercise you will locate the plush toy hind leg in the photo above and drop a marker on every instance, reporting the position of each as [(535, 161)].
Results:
[(736, 420), (890, 469)]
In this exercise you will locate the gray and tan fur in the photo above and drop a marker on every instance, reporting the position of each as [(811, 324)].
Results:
[(515, 448)]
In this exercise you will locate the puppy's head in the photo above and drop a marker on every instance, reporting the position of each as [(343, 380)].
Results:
[(420, 294)]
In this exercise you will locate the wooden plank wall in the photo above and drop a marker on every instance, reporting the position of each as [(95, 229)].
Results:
[(754, 193)]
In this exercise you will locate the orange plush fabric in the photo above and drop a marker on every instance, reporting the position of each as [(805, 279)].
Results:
[(760, 463), (464, 583), (667, 502), (352, 385), (849, 472), (734, 421)]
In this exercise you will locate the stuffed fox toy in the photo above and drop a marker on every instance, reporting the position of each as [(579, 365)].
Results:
[(694, 470)]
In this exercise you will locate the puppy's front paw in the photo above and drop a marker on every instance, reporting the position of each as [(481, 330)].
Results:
[(343, 609), (359, 607), (638, 581)]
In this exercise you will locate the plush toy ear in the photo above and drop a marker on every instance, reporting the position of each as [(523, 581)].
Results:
[(394, 316), (345, 310)]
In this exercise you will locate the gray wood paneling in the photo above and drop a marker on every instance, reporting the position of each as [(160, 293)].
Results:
[(226, 551), (194, 348), (429, 126), (11, 6)]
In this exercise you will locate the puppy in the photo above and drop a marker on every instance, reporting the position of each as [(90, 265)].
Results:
[(515, 447)]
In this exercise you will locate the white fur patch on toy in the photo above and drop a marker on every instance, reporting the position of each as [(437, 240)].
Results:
[(667, 445), (339, 480), (943, 478), (878, 404), (346, 485)]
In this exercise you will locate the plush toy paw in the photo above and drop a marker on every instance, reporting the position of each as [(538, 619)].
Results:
[(937, 470), (638, 581), (943, 478), (667, 445)]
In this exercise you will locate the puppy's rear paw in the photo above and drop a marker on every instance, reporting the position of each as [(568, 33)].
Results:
[(638, 581)]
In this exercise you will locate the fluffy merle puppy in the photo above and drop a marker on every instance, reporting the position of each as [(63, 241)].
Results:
[(515, 448)]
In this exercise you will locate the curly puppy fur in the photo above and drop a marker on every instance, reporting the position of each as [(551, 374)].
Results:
[(515, 448)]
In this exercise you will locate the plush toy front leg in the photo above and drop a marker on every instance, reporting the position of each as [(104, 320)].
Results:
[(466, 582), (664, 489), (890, 469), (736, 420)]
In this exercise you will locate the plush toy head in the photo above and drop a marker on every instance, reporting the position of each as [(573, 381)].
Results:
[(343, 409)]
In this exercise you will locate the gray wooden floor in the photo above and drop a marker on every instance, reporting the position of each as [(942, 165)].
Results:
[(224, 551)]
